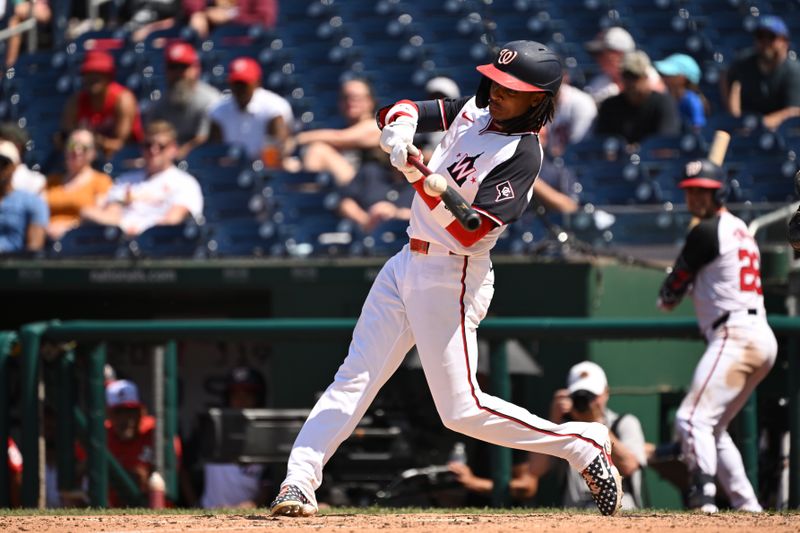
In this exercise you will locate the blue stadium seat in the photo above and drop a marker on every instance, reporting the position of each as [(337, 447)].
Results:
[(386, 239), (316, 235), (127, 159), (88, 240), (233, 205), (296, 207), (595, 148), (243, 238), (179, 240)]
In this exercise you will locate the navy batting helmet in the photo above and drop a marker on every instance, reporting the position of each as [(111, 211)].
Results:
[(523, 66), (704, 174)]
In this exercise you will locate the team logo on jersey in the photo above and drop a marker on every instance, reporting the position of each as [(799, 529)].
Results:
[(462, 169), (504, 191)]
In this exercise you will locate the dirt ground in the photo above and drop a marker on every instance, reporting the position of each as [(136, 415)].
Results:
[(635, 522)]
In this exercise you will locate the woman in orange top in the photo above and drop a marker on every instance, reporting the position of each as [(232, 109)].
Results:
[(80, 186)]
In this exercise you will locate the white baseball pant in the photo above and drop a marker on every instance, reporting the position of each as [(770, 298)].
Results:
[(739, 355), (435, 301)]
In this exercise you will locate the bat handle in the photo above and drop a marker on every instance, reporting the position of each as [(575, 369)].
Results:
[(416, 161)]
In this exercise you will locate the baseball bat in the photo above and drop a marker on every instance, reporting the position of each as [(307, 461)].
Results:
[(464, 213), (719, 147)]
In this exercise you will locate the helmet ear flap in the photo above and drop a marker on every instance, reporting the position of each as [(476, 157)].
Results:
[(482, 94)]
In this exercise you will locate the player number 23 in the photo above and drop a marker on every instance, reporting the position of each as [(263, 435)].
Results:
[(749, 276)]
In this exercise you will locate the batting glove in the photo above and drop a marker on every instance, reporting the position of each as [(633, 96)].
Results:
[(399, 160), (400, 126)]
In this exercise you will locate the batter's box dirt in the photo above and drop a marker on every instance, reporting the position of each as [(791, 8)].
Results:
[(477, 522)]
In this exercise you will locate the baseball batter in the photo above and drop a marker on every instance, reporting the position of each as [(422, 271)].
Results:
[(437, 289), (720, 264)]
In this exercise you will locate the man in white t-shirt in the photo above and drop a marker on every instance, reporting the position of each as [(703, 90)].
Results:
[(251, 116), (573, 118), (609, 49), (158, 194)]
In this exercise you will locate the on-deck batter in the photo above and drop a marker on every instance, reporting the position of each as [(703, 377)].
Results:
[(435, 292), (720, 262)]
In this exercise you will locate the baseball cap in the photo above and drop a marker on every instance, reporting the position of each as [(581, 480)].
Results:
[(679, 65), (244, 376), (98, 61), (613, 38), (180, 52), (9, 151), (636, 63), (443, 85), (773, 24), (587, 376), (244, 69), (122, 393)]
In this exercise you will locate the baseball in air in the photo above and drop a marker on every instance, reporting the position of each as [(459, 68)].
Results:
[(435, 185)]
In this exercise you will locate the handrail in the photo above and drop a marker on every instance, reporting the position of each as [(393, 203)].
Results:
[(767, 219), (26, 25)]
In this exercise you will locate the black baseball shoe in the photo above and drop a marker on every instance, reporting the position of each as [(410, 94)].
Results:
[(291, 501), (604, 483)]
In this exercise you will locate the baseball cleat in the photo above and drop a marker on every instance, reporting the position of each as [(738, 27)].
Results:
[(291, 501), (604, 483)]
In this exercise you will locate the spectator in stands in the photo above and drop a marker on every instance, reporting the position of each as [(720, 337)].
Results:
[(638, 111), (23, 10), (609, 49), (766, 81), (252, 116), (23, 216), (142, 17), (129, 436), (187, 100), (205, 15), (78, 187), (681, 74), (586, 400), (158, 194), (376, 194), (103, 106), (341, 152), (236, 484), (438, 88), (573, 119), (25, 179), (555, 183)]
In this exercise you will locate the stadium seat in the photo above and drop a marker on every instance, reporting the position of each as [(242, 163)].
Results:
[(386, 239), (179, 240), (233, 205), (242, 238), (88, 240), (595, 148), (128, 158)]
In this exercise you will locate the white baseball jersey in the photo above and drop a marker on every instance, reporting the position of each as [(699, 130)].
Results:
[(720, 264), (434, 294), (491, 170)]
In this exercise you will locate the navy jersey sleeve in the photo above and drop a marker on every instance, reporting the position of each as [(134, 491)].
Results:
[(434, 115), (701, 247), (503, 194), (437, 115)]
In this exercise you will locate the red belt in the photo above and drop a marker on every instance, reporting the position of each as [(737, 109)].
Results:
[(421, 247)]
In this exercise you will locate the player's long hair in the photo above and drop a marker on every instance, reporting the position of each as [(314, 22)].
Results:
[(534, 119)]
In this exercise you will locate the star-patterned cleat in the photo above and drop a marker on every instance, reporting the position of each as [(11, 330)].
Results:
[(604, 483), (291, 501)]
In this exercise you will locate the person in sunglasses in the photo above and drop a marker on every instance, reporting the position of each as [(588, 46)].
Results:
[(79, 186), (767, 81), (158, 194)]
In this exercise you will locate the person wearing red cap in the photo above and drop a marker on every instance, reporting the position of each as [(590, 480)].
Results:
[(129, 434), (187, 100), (103, 106), (252, 116)]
